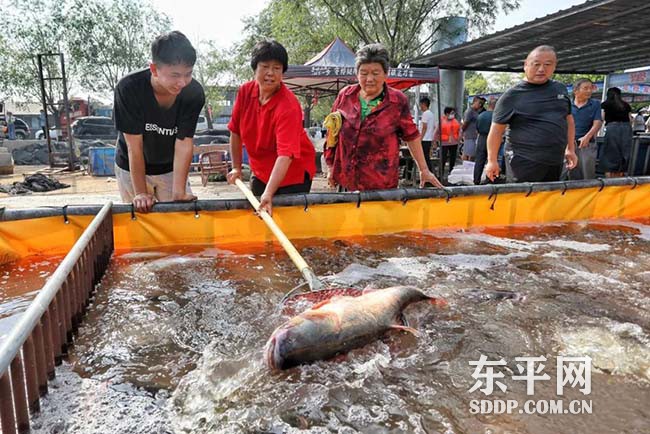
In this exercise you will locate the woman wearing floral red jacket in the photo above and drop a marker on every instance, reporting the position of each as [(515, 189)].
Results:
[(374, 119)]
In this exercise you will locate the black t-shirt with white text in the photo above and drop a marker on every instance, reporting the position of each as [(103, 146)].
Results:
[(536, 115), (136, 111)]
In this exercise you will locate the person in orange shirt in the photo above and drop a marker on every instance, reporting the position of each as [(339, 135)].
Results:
[(448, 135)]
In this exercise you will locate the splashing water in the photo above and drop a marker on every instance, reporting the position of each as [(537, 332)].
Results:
[(174, 339)]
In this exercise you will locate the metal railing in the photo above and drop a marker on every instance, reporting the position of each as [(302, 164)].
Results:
[(40, 338)]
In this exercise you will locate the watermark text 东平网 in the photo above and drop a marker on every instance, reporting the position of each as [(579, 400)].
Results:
[(571, 372)]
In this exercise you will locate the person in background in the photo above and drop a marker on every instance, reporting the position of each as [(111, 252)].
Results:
[(638, 124), (426, 128), (588, 120), (267, 119), (11, 126), (615, 154), (483, 128), (541, 133), (156, 110), (42, 122), (374, 118), (447, 134), (469, 128)]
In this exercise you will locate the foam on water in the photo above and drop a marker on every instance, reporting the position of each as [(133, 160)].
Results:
[(141, 255), (463, 261), (644, 230), (490, 239), (615, 348), (577, 246), (88, 406), (172, 261), (192, 324), (214, 252), (420, 267), (586, 277)]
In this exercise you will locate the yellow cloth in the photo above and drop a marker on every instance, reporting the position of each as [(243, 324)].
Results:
[(333, 123)]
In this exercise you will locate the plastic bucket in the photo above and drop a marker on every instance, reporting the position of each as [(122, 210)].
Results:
[(101, 161)]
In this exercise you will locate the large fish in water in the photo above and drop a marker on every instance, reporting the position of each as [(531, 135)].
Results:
[(340, 324)]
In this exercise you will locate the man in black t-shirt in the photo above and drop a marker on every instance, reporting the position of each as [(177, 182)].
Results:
[(541, 133), (155, 112)]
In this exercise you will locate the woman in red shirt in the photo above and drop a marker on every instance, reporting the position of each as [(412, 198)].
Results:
[(267, 119), (374, 119)]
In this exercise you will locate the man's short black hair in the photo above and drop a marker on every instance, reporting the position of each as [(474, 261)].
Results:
[(267, 50), (478, 99), (449, 110), (426, 101), (173, 48)]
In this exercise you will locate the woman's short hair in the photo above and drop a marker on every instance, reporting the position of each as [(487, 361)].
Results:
[(372, 53), (449, 110), (173, 48), (267, 50)]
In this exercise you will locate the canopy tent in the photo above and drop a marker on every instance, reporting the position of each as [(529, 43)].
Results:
[(598, 36), (333, 68)]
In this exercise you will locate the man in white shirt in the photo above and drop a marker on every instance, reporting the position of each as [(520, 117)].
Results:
[(426, 128)]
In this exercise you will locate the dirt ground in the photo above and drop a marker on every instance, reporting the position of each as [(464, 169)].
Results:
[(90, 190)]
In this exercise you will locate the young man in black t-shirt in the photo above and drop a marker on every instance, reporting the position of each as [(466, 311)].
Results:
[(155, 112)]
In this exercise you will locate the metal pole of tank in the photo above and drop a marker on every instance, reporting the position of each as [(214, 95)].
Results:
[(449, 31)]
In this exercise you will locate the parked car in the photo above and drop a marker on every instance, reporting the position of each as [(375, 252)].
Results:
[(22, 129), (94, 127), (201, 123), (218, 123), (54, 134)]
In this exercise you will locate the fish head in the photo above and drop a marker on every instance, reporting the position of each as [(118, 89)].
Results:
[(298, 341), (282, 344), (405, 295), (273, 354)]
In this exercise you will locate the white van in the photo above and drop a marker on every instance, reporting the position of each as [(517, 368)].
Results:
[(201, 123)]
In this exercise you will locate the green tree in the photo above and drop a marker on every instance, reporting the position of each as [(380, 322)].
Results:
[(475, 83), (215, 70), (101, 42), (404, 26), (28, 29), (502, 81), (109, 39), (572, 78), (303, 27)]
